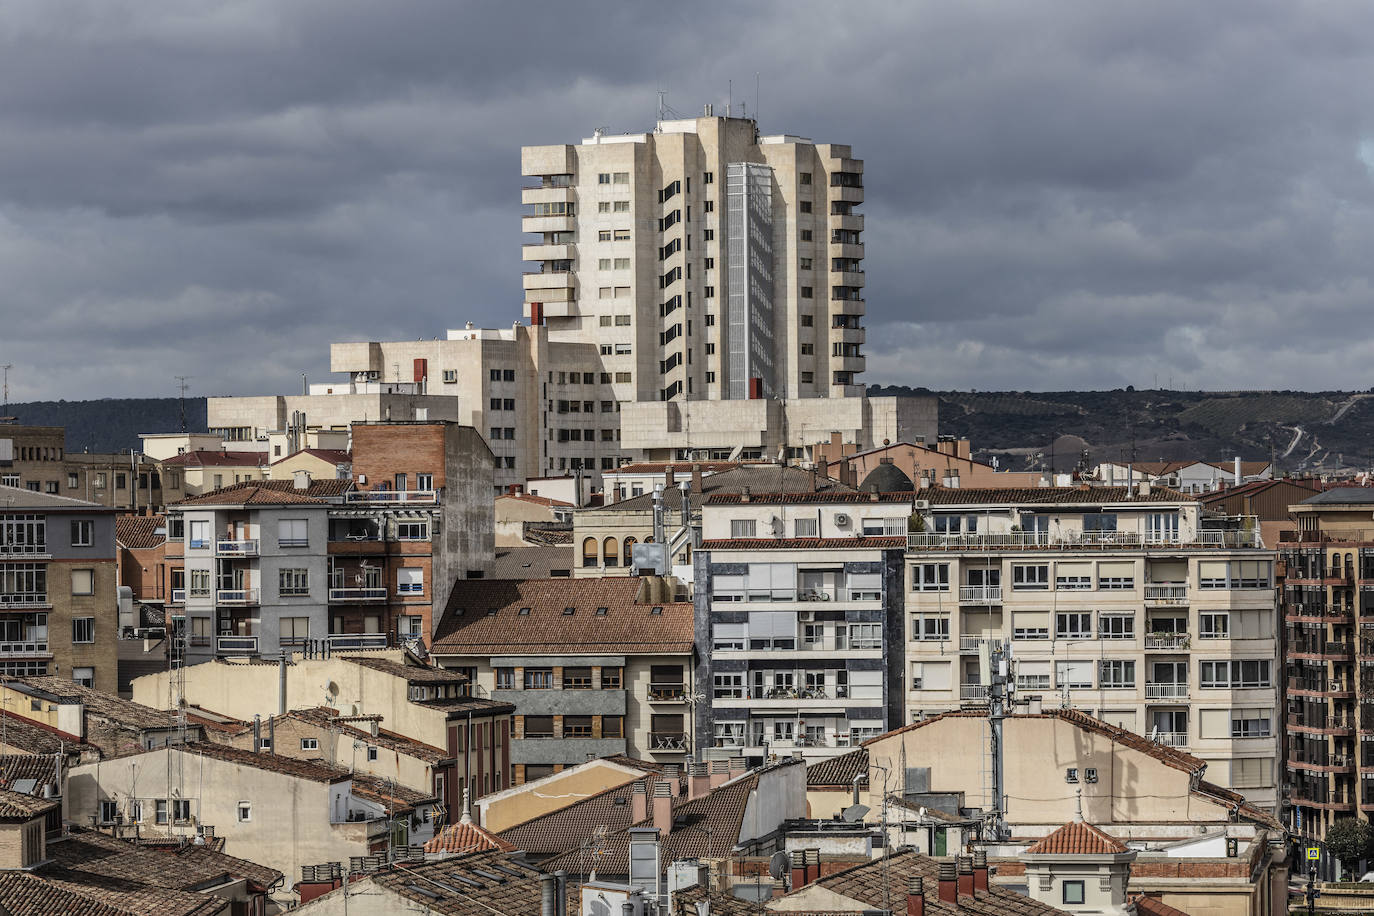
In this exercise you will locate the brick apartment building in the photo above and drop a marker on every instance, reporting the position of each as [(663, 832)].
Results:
[(36, 458)]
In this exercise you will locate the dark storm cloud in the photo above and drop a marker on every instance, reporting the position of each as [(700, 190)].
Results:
[(1059, 194)]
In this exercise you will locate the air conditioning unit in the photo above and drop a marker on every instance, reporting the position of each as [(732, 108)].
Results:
[(921, 505), (841, 520), (806, 616)]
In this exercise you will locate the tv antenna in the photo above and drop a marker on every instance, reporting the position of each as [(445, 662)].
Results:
[(181, 388), (7, 367)]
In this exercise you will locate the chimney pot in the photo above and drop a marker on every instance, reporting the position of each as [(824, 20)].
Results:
[(798, 869), (915, 897), (720, 772), (639, 803), (965, 876), (949, 881), (663, 807), (671, 776), (813, 865), (669, 477), (744, 495), (980, 870)]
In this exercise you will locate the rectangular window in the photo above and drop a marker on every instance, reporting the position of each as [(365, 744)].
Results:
[(930, 627), (742, 528), (1030, 625), (293, 583), (160, 811), (728, 687), (1033, 675), (577, 726), (930, 577), (291, 532), (310, 744), (613, 726), (1073, 625), (1236, 673), (83, 582), (1116, 576), (412, 531), (1030, 578), (83, 629), (1073, 891), (410, 581), (538, 726), (245, 809), (1251, 723), (538, 679), (1214, 625), (1073, 576), (200, 583), (577, 678), (200, 535), (1114, 673), (83, 533), (1074, 674), (622, 235), (806, 527), (505, 678), (1116, 626), (84, 676), (295, 631)]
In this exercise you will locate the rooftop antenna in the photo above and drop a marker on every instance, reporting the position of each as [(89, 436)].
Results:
[(7, 367), (756, 95), (181, 387), (729, 98)]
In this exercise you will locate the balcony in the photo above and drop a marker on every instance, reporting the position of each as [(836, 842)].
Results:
[(373, 593), (1165, 690), (1167, 642), (339, 641), (1170, 739), (236, 645), (1106, 540), (236, 548), (24, 599), (1162, 594), (971, 643), (549, 279), (24, 649), (667, 693), (24, 552), (387, 497), (980, 594), (239, 596), (668, 742), (540, 251), (973, 692)]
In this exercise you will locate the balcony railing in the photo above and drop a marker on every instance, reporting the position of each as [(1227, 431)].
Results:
[(24, 552), (980, 594), (1160, 594), (392, 496), (236, 548), (674, 693), (971, 643), (1167, 641), (236, 645), (1014, 540), (1171, 739), (30, 599), (371, 593), (668, 742), (19, 649), (972, 692), (236, 596), (1166, 691), (358, 640)]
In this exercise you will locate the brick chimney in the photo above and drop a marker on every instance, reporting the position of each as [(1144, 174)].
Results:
[(699, 780), (916, 897), (737, 767), (980, 870), (798, 869), (720, 772), (639, 803), (669, 478), (949, 881), (696, 479), (813, 865), (671, 775), (663, 808), (744, 495), (965, 876)]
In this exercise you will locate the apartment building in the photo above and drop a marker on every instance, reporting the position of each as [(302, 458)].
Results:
[(946, 462), (799, 602), (1136, 605), (593, 667), (58, 609), (1329, 648), (36, 458)]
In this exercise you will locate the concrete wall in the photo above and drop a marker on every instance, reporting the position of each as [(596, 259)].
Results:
[(336, 746)]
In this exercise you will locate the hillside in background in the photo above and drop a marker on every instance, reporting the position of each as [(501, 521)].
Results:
[(113, 424), (1303, 431)]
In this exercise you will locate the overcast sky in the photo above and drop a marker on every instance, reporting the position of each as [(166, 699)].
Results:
[(1058, 194)]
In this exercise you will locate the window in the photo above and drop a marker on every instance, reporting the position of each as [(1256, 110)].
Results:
[(604, 235), (728, 687), (245, 812), (83, 533), (291, 532), (1236, 673), (613, 726), (1073, 625), (84, 676), (622, 235), (620, 177), (1116, 576), (805, 206), (930, 577), (603, 206), (603, 178), (577, 678), (450, 376), (1030, 625), (505, 678), (865, 636), (1075, 674), (83, 582), (877, 527), (932, 627), (412, 531), (1030, 577), (1033, 675), (538, 678), (1116, 673), (310, 744), (200, 534), (1214, 625), (293, 583), (73, 481), (804, 263), (1073, 891), (577, 726), (538, 726), (806, 527), (708, 177), (808, 349), (371, 752), (1116, 626), (160, 811), (83, 629), (1250, 723), (410, 581), (295, 631), (1073, 576), (742, 528), (612, 678), (200, 583), (621, 206)]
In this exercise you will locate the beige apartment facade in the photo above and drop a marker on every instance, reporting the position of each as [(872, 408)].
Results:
[(1135, 605)]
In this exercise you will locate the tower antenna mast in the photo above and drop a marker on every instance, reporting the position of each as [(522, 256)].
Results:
[(7, 367), (181, 387)]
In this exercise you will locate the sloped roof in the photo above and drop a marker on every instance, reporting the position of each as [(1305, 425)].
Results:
[(1153, 906), (23, 498), (557, 831), (465, 836), (1077, 838), (252, 493), (204, 458), (493, 882), (18, 806), (764, 478), (329, 718), (141, 532), (38, 737), (1341, 496), (829, 497), (392, 796), (1082, 495), (41, 768), (330, 455), (178, 866), (95, 702), (413, 674), (536, 500), (531, 562), (28, 894), (311, 770), (679, 467), (838, 771), (886, 478), (469, 626)]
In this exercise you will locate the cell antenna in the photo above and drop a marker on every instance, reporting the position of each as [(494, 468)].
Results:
[(181, 387), (7, 367)]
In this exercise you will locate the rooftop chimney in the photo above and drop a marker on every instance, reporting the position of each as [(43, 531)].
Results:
[(915, 896), (798, 869), (548, 894), (639, 803), (813, 865), (1237, 475), (669, 478), (949, 881), (744, 494), (671, 774), (696, 479), (980, 870), (737, 767), (302, 478), (965, 876), (720, 772), (663, 807), (699, 780)]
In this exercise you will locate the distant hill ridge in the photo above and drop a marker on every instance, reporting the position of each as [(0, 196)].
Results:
[(112, 424)]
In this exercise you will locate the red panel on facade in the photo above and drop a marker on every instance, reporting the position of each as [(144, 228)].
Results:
[(536, 313), (755, 389), (421, 370)]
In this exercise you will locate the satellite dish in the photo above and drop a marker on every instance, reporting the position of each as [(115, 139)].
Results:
[(777, 864), (854, 814), (332, 689)]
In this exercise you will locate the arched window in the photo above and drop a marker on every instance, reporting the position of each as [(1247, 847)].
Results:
[(610, 549), (629, 551), (589, 552)]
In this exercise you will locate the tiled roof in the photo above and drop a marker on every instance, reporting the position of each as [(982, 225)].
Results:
[(838, 771), (764, 477), (38, 737), (1342, 496), (1084, 495), (542, 535), (493, 882), (392, 796), (251, 493), (825, 496), (95, 702), (41, 768), (558, 831), (856, 543), (319, 487), (683, 468), (204, 458), (22, 498), (466, 837), (413, 674), (1167, 755), (536, 500), (1153, 906), (479, 706), (175, 866), (331, 455), (312, 770), (18, 806), (329, 718), (532, 562), (1077, 838), (469, 628), (1237, 801), (141, 532), (28, 894)]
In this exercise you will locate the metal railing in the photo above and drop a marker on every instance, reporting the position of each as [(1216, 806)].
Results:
[(370, 593), (980, 594), (236, 596), (15, 649), (667, 741), (236, 548), (24, 552), (30, 599), (1172, 739), (972, 692), (392, 496), (1166, 691), (971, 643), (1166, 593), (358, 640), (236, 645), (667, 692), (1170, 641), (1098, 539)]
